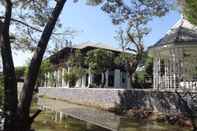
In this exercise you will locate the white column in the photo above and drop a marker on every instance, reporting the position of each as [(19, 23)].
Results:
[(170, 70), (107, 80), (55, 76), (78, 83), (82, 82), (45, 79), (158, 73), (117, 78), (58, 77), (174, 68), (89, 78), (63, 82), (128, 81), (154, 73), (48, 79)]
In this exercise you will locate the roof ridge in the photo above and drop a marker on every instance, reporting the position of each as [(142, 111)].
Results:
[(183, 30)]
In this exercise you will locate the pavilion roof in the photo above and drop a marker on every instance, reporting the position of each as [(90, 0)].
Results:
[(64, 53), (183, 31)]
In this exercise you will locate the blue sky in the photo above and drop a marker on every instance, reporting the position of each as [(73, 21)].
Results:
[(95, 25)]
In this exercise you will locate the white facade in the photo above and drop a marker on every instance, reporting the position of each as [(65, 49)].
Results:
[(114, 79), (175, 58)]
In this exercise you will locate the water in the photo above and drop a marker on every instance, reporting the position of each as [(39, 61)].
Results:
[(63, 116)]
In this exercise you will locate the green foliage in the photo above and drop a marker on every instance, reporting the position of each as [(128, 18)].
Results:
[(73, 75), (149, 66), (76, 59), (140, 77), (94, 2), (135, 14), (99, 60), (76, 68), (20, 71), (190, 9), (29, 18), (122, 59), (46, 66), (133, 10)]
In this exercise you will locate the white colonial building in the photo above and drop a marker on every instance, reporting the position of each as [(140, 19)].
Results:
[(175, 58), (115, 78)]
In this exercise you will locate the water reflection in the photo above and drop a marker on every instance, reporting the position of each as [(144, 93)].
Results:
[(46, 122), (94, 116), (63, 116)]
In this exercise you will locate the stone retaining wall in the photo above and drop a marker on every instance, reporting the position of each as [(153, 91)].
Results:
[(116, 98)]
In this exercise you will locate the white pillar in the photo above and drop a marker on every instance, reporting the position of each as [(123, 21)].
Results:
[(48, 79), (117, 78), (55, 77), (45, 79), (128, 81), (63, 82), (106, 76), (83, 81), (89, 78), (154, 73), (58, 77)]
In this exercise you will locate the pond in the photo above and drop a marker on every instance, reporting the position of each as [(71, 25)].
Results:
[(63, 116)]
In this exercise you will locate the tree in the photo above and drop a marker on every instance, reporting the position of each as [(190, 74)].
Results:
[(99, 61), (143, 78), (189, 9), (18, 113), (133, 15), (76, 59), (1, 92), (76, 67), (74, 74), (46, 66), (125, 39)]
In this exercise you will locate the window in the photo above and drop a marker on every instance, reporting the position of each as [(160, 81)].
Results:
[(97, 79), (86, 83), (162, 67), (123, 77), (111, 79)]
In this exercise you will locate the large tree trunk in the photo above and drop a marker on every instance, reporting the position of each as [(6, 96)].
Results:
[(30, 81), (10, 85), (19, 119), (131, 70)]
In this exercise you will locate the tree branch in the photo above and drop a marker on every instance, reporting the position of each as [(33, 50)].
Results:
[(132, 39), (29, 26), (30, 81), (23, 23), (35, 115)]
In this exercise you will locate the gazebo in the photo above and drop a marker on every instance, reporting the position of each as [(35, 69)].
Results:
[(175, 58)]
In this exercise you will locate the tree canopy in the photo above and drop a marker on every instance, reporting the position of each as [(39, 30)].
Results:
[(133, 17), (16, 20), (32, 24), (76, 70), (99, 61), (189, 10), (27, 23)]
